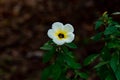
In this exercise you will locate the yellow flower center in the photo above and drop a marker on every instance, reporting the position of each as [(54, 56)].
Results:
[(60, 34)]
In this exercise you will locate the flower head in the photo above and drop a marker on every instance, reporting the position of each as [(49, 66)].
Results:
[(60, 33)]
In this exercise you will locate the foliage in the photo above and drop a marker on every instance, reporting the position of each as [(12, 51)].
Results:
[(108, 67), (61, 60)]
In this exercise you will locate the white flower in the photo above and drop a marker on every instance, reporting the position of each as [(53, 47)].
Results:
[(60, 33)]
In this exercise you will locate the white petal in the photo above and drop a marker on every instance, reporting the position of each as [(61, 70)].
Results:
[(58, 42), (50, 33), (57, 26), (70, 38), (68, 28)]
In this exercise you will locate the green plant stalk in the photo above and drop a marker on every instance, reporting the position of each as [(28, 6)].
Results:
[(62, 57)]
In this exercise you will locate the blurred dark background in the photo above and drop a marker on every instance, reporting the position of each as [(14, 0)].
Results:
[(23, 28)]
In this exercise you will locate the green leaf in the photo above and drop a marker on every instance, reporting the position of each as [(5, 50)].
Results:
[(63, 78), (101, 64), (98, 24), (115, 65), (90, 59), (117, 26), (47, 46), (83, 75), (53, 71), (109, 77), (111, 30), (97, 37), (46, 73), (72, 63), (56, 71), (113, 45), (67, 52), (103, 72), (105, 54), (71, 45), (63, 74), (117, 73), (48, 55), (69, 58), (113, 62), (65, 49)]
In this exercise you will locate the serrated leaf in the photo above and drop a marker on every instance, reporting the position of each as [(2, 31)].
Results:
[(110, 30), (72, 63), (113, 45), (101, 64), (113, 62), (115, 65), (47, 46), (90, 59), (53, 71), (98, 24), (105, 54), (48, 55), (97, 37), (109, 77), (67, 52), (46, 73), (117, 73), (56, 71), (103, 71), (83, 75), (71, 45), (63, 78), (65, 49), (118, 26)]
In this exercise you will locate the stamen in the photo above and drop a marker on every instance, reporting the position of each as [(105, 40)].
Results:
[(60, 35)]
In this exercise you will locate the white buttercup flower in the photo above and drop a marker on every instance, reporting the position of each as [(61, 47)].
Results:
[(60, 33)]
